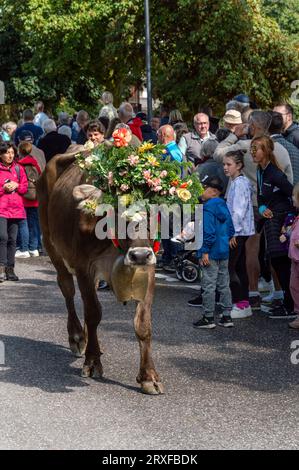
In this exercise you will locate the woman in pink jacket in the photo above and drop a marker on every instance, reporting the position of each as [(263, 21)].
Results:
[(13, 183)]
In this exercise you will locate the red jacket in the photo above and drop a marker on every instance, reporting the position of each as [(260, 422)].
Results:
[(29, 160), (11, 204), (135, 126)]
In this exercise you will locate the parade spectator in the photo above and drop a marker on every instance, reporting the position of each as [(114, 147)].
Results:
[(231, 119), (209, 167), (40, 115), (29, 230), (125, 113), (82, 120), (155, 123), (63, 119), (239, 203), (38, 154), (190, 143), (8, 130), (175, 117), (274, 193), (65, 130), (180, 129), (95, 132), (108, 110), (148, 134), (275, 131), (294, 256), (53, 143), (13, 184), (164, 115), (29, 125), (218, 229), (166, 137), (243, 101), (214, 121), (290, 128)]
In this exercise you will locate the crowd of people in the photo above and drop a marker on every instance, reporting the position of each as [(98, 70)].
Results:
[(248, 162)]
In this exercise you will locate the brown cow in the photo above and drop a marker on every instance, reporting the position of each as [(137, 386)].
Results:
[(69, 238)]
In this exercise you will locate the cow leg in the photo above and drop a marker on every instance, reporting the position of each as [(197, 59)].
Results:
[(77, 336), (147, 377), (92, 314)]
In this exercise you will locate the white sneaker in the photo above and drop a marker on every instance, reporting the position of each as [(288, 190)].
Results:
[(238, 312), (264, 286), (22, 254), (34, 253)]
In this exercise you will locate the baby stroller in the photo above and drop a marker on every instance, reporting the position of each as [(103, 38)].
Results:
[(186, 266)]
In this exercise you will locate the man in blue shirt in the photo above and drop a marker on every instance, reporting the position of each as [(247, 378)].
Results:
[(28, 125), (166, 136)]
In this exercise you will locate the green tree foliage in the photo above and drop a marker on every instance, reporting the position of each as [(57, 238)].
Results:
[(286, 13), (203, 51)]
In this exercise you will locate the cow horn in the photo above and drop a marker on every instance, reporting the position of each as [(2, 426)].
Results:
[(84, 191)]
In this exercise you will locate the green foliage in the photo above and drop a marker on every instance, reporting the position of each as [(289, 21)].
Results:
[(203, 51)]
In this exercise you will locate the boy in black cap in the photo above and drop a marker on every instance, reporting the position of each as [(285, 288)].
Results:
[(218, 229)]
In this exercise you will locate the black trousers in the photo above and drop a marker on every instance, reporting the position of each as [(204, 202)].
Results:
[(8, 237), (282, 268), (239, 284)]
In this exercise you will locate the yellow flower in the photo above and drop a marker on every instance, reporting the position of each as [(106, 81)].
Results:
[(125, 200), (183, 194), (145, 147), (153, 161)]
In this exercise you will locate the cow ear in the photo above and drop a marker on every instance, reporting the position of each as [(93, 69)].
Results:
[(84, 191)]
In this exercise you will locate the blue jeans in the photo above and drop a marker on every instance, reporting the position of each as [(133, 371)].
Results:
[(29, 232)]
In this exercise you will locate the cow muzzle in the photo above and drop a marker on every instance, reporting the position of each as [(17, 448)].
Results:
[(140, 257)]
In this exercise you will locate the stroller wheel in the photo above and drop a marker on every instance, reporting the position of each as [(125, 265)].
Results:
[(190, 272), (178, 273)]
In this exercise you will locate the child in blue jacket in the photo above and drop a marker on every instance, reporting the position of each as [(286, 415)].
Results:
[(218, 229)]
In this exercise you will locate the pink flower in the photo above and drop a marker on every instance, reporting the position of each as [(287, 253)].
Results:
[(133, 159), (157, 189), (163, 193), (110, 178), (172, 191), (156, 181), (147, 174), (163, 174), (124, 187)]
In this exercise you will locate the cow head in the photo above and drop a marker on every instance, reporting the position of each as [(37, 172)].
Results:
[(137, 249)]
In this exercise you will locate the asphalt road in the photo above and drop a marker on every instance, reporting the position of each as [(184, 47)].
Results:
[(225, 389)]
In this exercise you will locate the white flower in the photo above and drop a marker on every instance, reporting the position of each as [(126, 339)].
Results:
[(89, 145)]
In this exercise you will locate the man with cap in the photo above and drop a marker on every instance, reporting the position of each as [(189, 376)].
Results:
[(231, 119), (38, 154)]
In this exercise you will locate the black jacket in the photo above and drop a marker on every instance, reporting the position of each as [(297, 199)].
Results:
[(292, 134), (273, 189)]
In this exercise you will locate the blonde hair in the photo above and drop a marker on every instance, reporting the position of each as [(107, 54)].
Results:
[(267, 146), (296, 192)]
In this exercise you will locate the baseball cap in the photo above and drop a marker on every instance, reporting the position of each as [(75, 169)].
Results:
[(242, 98), (212, 182), (26, 136)]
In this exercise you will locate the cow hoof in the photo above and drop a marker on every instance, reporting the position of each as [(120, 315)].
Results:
[(95, 371), (77, 345), (152, 388)]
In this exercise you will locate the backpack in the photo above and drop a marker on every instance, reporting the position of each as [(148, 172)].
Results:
[(32, 177)]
